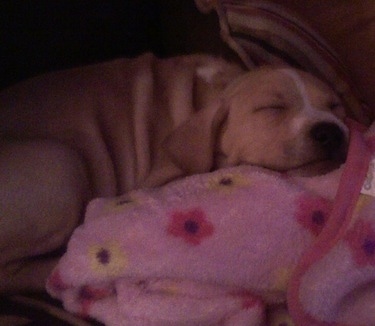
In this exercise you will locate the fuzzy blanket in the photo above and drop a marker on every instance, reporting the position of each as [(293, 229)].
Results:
[(219, 248)]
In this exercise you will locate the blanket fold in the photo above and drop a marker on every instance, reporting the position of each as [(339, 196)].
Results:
[(219, 248)]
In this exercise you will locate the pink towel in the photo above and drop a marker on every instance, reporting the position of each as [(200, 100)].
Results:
[(218, 248)]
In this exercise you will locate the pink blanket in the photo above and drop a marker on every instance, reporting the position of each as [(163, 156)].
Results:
[(218, 248)]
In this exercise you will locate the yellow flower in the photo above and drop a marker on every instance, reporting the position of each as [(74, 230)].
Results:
[(228, 182), (362, 202), (119, 204), (282, 277), (107, 259)]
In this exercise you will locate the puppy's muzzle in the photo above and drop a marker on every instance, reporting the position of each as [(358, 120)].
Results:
[(330, 140)]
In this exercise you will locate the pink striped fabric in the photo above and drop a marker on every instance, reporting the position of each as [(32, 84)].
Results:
[(262, 32)]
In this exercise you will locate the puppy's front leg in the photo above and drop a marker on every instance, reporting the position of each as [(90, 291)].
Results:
[(44, 187)]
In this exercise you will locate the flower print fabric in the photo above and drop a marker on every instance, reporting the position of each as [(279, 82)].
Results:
[(191, 225)]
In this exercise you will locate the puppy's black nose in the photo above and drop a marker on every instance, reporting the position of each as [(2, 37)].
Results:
[(331, 139)]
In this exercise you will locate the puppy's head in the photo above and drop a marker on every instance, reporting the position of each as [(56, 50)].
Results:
[(277, 118), (282, 119)]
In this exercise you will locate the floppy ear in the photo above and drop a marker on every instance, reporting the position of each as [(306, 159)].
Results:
[(189, 149), (192, 145)]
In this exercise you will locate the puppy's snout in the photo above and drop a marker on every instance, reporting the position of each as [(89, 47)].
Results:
[(331, 139)]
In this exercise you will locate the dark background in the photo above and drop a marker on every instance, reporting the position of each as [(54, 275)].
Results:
[(38, 36)]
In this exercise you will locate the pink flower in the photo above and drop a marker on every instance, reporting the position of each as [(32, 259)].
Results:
[(312, 213), (361, 238), (56, 283), (192, 226)]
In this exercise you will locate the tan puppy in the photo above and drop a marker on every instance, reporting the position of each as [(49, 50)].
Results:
[(105, 129), (278, 118)]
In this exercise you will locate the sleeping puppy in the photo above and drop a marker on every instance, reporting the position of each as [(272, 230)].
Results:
[(277, 118), (105, 129)]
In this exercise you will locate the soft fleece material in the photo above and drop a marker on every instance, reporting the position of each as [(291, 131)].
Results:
[(218, 248)]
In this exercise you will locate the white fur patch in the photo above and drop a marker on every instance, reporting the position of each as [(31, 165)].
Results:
[(301, 88), (309, 112), (208, 73)]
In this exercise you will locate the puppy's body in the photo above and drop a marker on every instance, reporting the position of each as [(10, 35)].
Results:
[(105, 129), (114, 114)]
